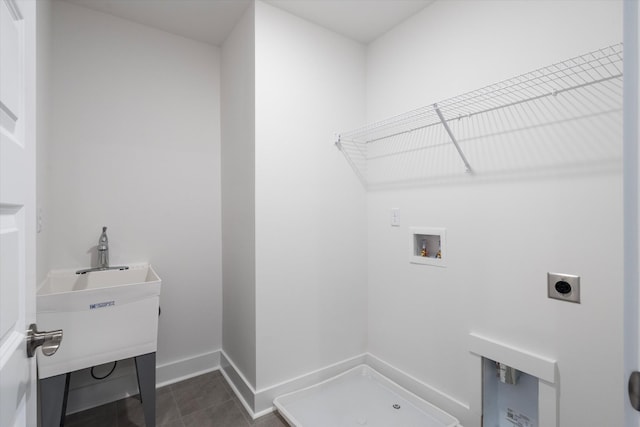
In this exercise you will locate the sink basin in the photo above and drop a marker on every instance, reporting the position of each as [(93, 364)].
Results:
[(105, 316)]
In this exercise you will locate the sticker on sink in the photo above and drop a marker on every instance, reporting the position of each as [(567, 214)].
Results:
[(101, 304), (518, 419)]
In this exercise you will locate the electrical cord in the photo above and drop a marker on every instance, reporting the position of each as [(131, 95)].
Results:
[(114, 363), (110, 372)]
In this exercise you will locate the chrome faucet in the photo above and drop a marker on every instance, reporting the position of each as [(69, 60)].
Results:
[(103, 249), (103, 256)]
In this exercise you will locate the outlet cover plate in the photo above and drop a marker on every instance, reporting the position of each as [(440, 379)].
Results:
[(563, 287), (395, 217)]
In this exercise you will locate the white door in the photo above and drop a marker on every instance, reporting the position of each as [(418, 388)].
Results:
[(632, 205), (17, 209)]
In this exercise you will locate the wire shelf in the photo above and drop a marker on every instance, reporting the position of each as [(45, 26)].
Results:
[(554, 104)]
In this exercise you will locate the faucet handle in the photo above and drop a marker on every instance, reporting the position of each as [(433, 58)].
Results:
[(103, 241)]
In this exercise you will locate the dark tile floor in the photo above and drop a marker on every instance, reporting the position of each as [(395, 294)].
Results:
[(202, 401)]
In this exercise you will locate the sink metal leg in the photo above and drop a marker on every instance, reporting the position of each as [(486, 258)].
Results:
[(146, 371), (53, 399)]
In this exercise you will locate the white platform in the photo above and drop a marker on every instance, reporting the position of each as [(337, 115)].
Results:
[(360, 397)]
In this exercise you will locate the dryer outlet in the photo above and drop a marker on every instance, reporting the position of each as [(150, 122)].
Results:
[(564, 287)]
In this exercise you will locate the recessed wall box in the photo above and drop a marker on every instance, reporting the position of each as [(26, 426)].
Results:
[(507, 401), (428, 246)]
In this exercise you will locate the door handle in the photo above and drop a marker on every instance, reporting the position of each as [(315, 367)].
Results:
[(50, 341), (634, 390)]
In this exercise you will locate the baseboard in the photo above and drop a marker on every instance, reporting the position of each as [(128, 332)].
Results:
[(265, 396), (189, 367), (260, 402), (243, 389), (86, 392)]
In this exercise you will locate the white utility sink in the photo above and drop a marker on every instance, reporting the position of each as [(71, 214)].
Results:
[(104, 315)]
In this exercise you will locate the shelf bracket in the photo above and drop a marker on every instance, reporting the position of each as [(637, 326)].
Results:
[(453, 139)]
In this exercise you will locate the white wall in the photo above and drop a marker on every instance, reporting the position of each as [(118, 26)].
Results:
[(485, 43), (238, 196), (135, 146), (503, 235), (43, 63), (310, 208)]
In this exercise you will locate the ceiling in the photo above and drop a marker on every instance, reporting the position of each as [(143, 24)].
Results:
[(210, 21)]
